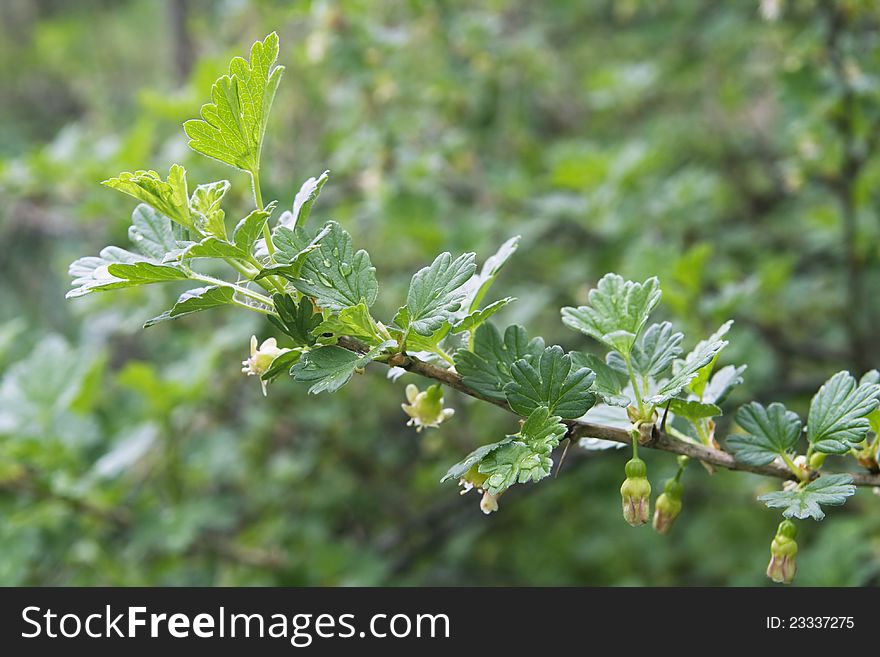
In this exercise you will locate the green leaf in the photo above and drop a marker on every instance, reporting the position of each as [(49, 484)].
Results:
[(527, 456), (292, 247), (422, 343), (653, 352), (721, 383), (685, 370), (282, 363), (296, 320), (476, 288), (196, 300), (151, 233), (335, 275), (609, 383), (168, 197), (244, 237), (554, 384), (354, 321), (486, 370), (699, 382), (232, 125), (693, 410), (461, 468), (831, 490), (838, 418), (435, 293), (303, 202), (770, 432), (117, 268), (617, 311), (479, 317), (329, 368), (205, 205)]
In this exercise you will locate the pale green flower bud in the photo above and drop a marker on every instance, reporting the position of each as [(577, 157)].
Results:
[(783, 549), (636, 493), (668, 506), (425, 408), (261, 358)]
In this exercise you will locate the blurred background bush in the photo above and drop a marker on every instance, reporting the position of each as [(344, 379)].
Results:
[(729, 148)]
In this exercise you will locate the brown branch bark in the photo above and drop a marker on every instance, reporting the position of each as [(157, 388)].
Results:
[(651, 435)]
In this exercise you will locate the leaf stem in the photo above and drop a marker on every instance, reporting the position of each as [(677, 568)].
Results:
[(635, 385), (258, 199), (256, 296), (796, 471)]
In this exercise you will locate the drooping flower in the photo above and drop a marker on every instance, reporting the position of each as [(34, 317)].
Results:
[(668, 506), (261, 358), (425, 408), (635, 493), (782, 567)]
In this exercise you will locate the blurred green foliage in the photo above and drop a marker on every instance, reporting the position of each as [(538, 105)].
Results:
[(728, 148)]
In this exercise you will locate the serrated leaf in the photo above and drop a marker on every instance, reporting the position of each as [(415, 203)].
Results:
[(486, 369), (770, 432), (609, 383), (205, 205), (476, 288), (831, 490), (335, 275), (169, 197), (552, 383), (330, 367), (245, 235), (479, 317), (838, 418), (461, 468), (116, 268), (685, 370), (195, 300), (303, 202), (151, 232), (652, 353), (617, 311), (435, 293), (232, 125), (693, 410), (527, 456), (292, 247), (297, 320), (354, 321)]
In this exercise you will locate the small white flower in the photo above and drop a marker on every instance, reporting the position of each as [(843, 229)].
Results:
[(425, 408), (262, 358)]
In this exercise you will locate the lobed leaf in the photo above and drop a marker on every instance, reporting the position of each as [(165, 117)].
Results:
[(169, 197), (609, 382), (486, 370), (617, 311), (232, 125), (330, 367), (336, 276), (553, 384), (838, 418), (770, 432), (298, 320), (435, 293), (805, 502)]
